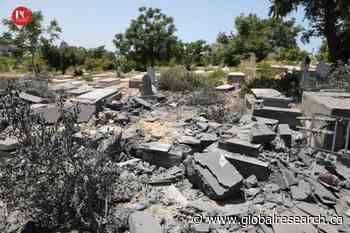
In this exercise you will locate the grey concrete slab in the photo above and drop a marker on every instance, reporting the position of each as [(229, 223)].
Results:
[(98, 95), (283, 115), (240, 146), (246, 165)]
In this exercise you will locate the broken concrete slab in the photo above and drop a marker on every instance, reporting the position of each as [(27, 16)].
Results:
[(271, 97), (48, 112), (143, 222), (261, 134), (240, 146), (267, 121), (207, 139), (159, 154), (214, 175), (283, 115), (285, 133), (31, 98), (98, 95), (246, 165)]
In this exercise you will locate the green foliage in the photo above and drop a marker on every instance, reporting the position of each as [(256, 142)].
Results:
[(27, 38), (288, 83), (328, 19), (179, 79), (194, 53), (6, 64), (258, 36), (149, 38), (291, 55)]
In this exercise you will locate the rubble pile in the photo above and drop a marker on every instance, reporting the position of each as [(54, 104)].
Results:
[(197, 167)]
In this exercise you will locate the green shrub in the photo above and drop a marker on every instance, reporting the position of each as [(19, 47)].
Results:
[(6, 64), (88, 78), (179, 79)]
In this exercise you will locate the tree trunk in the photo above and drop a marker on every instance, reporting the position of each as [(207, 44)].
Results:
[(330, 31)]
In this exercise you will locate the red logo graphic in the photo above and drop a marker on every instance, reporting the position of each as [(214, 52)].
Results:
[(21, 16)]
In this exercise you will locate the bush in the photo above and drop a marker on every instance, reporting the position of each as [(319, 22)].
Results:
[(62, 185), (179, 79)]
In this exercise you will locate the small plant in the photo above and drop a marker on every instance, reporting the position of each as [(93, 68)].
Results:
[(87, 78)]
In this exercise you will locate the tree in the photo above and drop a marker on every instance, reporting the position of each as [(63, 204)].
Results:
[(150, 38), (194, 53), (328, 18), (27, 38), (264, 36)]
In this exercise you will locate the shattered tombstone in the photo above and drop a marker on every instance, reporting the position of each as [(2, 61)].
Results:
[(214, 175), (261, 134), (143, 222), (148, 90), (31, 98)]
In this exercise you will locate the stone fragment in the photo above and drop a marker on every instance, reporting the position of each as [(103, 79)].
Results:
[(240, 146), (143, 222), (289, 178), (216, 176), (261, 134), (225, 87), (322, 193), (285, 133)]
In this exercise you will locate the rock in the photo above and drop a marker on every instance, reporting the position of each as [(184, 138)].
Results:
[(143, 222), (226, 87), (289, 178), (285, 133), (322, 193), (191, 141), (251, 181), (240, 146), (261, 134), (214, 175)]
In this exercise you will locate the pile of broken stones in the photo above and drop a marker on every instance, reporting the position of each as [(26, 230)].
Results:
[(254, 167)]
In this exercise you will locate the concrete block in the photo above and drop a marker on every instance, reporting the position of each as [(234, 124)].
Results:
[(240, 146), (261, 134)]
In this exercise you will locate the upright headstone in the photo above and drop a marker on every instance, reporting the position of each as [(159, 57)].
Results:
[(147, 89), (152, 74)]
